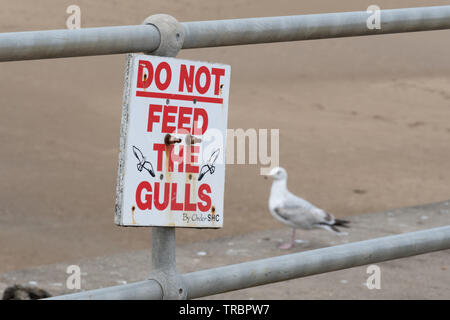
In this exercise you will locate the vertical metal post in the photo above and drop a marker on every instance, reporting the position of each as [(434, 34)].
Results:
[(163, 238), (163, 248), (164, 267)]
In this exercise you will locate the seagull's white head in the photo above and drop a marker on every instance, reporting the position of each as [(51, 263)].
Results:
[(278, 173)]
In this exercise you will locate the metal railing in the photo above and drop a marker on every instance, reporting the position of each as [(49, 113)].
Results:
[(259, 272), (163, 35), (200, 34)]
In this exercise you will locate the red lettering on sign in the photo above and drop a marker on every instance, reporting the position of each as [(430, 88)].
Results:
[(217, 74), (203, 193), (198, 87), (183, 119), (169, 201), (168, 117), (147, 204), (188, 206), (165, 203), (191, 158), (199, 112), (186, 78), (178, 119), (163, 85), (144, 78), (184, 97), (202, 89), (178, 158), (174, 205), (151, 115), (160, 148)]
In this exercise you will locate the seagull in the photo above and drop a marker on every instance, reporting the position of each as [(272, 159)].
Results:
[(209, 166), (297, 212), (143, 163)]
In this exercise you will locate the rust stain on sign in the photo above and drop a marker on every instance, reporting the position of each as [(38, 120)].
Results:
[(220, 93), (133, 208), (213, 214), (144, 78)]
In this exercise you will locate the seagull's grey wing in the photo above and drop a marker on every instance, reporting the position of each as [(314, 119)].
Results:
[(292, 200), (300, 213)]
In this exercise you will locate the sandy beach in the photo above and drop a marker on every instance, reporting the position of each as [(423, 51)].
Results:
[(363, 125)]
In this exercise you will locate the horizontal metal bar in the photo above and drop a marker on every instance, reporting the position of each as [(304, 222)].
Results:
[(16, 46), (255, 273), (200, 34), (314, 26), (148, 290), (286, 267)]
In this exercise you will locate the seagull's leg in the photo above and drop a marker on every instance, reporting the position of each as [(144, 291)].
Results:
[(289, 245), (293, 237)]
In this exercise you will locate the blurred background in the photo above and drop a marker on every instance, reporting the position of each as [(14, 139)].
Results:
[(363, 125)]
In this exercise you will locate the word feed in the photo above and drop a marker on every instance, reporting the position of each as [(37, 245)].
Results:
[(168, 173)]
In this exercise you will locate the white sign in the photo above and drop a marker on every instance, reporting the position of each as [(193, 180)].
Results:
[(173, 138)]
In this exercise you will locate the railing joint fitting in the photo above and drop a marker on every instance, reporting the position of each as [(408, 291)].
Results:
[(171, 33), (171, 283)]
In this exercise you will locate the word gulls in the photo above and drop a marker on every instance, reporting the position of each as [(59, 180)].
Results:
[(297, 212)]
